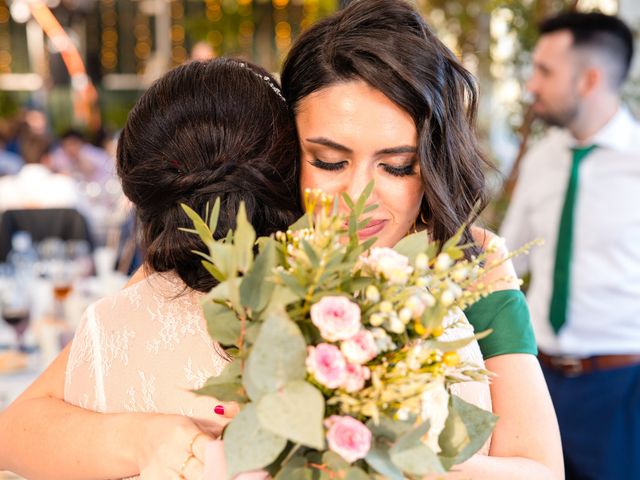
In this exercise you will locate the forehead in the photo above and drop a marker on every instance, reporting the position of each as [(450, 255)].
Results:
[(554, 47), (351, 110)]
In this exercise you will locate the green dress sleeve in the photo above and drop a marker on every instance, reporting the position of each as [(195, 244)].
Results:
[(506, 313)]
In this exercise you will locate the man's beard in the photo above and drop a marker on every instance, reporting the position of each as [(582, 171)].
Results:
[(561, 118)]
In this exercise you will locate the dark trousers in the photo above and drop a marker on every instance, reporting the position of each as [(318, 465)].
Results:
[(599, 417)]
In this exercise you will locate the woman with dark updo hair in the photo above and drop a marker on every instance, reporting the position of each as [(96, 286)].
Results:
[(218, 129), (378, 97)]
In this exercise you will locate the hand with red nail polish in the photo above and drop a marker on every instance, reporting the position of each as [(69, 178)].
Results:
[(226, 409)]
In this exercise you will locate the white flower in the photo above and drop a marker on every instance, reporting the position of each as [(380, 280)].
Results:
[(427, 299), (415, 305), (386, 307), (443, 261), (460, 274), (447, 298), (405, 315), (376, 320), (372, 294), (422, 261), (389, 264), (435, 403), (383, 340), (396, 325)]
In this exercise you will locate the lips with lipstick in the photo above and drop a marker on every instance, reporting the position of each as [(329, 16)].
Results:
[(373, 228)]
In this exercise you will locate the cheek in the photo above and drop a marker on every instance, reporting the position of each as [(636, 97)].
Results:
[(402, 198)]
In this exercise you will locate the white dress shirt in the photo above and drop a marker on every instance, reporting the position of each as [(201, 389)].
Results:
[(603, 315)]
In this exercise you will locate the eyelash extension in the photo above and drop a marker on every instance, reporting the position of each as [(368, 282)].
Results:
[(399, 171), (328, 166)]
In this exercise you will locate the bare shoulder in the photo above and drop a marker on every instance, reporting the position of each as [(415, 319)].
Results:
[(501, 274)]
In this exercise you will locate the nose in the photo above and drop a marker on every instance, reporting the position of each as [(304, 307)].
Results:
[(358, 182), (532, 84)]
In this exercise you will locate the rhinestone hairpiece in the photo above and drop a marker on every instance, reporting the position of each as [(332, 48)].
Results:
[(266, 79)]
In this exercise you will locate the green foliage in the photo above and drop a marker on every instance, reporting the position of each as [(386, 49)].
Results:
[(277, 358), (247, 445), (467, 428)]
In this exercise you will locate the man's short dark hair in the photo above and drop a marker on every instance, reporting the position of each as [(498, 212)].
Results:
[(597, 32)]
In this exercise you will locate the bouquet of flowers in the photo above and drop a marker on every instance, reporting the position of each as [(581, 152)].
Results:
[(337, 351)]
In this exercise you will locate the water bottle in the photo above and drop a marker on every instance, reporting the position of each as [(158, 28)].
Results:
[(23, 259)]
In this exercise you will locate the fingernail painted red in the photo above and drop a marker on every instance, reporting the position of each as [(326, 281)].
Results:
[(219, 409)]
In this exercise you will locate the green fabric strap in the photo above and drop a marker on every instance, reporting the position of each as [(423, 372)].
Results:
[(506, 313), (562, 267)]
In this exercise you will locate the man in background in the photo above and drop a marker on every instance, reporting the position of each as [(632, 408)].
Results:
[(579, 190)]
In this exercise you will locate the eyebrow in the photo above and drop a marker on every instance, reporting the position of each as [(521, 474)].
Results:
[(341, 148)]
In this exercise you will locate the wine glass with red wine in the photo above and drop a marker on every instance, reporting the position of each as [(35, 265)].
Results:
[(16, 312)]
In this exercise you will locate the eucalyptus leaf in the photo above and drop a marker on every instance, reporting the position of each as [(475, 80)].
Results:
[(247, 446), (198, 224), (223, 257), (413, 456), (385, 432), (226, 392), (281, 298), (222, 324), (295, 472), (412, 245), (256, 288), (214, 215), (466, 430), (334, 461), (302, 223), (294, 412), (292, 284), (227, 386), (213, 271), (244, 238), (277, 358), (355, 473)]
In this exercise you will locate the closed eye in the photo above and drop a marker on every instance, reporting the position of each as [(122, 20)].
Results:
[(404, 171), (330, 166)]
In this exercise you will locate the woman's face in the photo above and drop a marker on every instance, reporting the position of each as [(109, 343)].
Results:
[(350, 134)]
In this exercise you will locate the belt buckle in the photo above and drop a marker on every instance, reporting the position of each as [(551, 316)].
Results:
[(570, 366)]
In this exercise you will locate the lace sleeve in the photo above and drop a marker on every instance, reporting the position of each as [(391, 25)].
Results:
[(84, 385)]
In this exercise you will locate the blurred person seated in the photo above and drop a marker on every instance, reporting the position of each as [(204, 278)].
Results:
[(79, 159), (10, 163), (35, 186)]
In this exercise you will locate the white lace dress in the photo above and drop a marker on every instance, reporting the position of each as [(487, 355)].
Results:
[(146, 347)]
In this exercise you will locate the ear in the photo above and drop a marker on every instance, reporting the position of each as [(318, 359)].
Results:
[(590, 81)]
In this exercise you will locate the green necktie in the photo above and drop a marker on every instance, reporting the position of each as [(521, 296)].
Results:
[(562, 267)]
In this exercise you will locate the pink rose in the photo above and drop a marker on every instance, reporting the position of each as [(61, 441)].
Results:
[(348, 437), (338, 318), (360, 348), (326, 363), (355, 377)]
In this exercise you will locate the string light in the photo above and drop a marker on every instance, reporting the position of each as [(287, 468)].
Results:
[(282, 27), (142, 34), (178, 52), (5, 39), (246, 28), (109, 48), (309, 13)]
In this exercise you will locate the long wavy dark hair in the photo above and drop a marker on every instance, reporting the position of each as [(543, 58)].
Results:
[(388, 45), (207, 130)]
